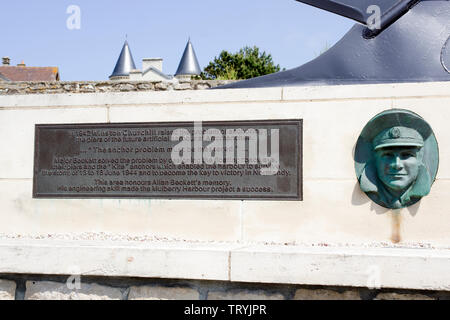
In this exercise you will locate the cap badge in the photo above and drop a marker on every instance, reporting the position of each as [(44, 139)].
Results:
[(394, 133)]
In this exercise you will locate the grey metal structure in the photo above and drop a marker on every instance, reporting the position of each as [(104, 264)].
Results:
[(125, 63), (362, 10), (188, 64), (412, 45)]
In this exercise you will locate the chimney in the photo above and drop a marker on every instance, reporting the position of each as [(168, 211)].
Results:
[(6, 61), (22, 64), (152, 62)]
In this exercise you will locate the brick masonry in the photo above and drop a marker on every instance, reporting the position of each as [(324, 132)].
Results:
[(38, 287), (10, 88)]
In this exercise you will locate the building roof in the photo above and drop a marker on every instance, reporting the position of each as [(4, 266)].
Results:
[(165, 76), (188, 63), (21, 73), (3, 78), (125, 63)]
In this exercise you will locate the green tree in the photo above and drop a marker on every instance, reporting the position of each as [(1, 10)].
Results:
[(245, 64)]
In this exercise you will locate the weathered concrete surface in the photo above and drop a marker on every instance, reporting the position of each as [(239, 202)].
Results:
[(47, 290), (98, 288), (402, 296), (326, 294), (162, 293), (7, 290), (244, 295)]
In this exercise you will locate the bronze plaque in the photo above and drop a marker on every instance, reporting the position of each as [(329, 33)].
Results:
[(202, 160)]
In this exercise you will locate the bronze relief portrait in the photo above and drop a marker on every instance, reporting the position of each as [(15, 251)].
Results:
[(396, 158)]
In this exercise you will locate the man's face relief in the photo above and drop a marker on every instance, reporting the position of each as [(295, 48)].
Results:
[(397, 167), (396, 158)]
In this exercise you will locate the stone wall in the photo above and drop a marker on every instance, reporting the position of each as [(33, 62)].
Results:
[(23, 87), (34, 287)]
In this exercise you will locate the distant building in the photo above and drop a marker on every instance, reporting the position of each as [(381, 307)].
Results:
[(125, 68), (23, 73), (3, 78), (152, 70)]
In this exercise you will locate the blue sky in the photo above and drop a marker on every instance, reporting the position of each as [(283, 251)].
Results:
[(36, 32)]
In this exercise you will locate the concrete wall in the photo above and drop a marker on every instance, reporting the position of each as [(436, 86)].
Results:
[(335, 236)]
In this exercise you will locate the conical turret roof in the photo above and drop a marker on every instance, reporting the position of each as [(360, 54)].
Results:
[(188, 63), (125, 63)]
